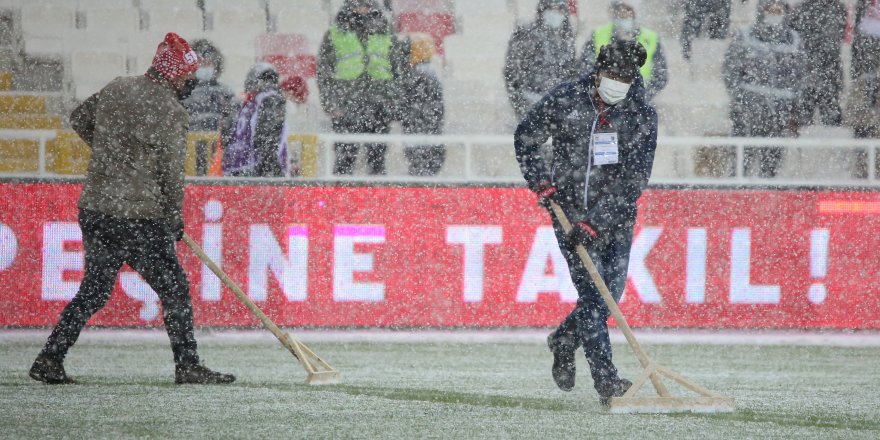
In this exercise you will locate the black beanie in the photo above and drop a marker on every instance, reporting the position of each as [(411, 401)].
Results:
[(622, 57)]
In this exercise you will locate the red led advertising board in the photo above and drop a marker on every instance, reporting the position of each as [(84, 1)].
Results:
[(464, 257)]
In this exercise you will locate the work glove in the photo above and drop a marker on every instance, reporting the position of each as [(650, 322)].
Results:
[(546, 192), (583, 233), (174, 227)]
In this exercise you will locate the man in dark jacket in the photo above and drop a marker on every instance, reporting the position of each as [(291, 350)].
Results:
[(212, 104), (540, 56), (604, 135), (131, 206), (764, 71), (357, 66), (821, 24), (624, 26)]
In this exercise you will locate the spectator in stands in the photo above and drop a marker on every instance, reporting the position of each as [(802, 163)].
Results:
[(715, 14), (259, 142), (604, 136), (421, 107), (764, 71), (540, 55), (625, 27), (866, 38), (212, 104), (821, 25), (131, 207), (357, 65), (863, 114)]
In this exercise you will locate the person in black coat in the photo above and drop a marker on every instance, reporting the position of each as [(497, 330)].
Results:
[(821, 24), (540, 56), (212, 105), (596, 180), (421, 107), (866, 38)]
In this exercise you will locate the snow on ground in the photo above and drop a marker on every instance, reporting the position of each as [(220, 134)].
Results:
[(437, 384), (830, 338)]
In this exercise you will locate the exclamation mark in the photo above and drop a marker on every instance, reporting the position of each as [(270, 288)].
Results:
[(818, 265)]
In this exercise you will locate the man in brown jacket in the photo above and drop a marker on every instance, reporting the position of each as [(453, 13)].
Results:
[(131, 206)]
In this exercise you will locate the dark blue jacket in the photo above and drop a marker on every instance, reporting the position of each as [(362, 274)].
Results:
[(567, 114)]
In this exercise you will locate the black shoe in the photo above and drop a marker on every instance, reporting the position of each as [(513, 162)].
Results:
[(563, 362), (199, 374), (612, 388), (50, 371)]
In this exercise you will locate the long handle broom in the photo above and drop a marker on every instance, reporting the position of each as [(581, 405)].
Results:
[(707, 401), (318, 371)]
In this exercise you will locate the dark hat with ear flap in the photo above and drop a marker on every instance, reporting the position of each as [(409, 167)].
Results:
[(623, 58)]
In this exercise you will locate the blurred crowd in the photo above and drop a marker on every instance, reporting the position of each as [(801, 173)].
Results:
[(782, 72)]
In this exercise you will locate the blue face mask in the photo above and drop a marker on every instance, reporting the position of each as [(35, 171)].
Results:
[(554, 19), (625, 24), (773, 19)]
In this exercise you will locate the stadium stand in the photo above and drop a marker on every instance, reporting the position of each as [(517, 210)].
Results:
[(94, 41)]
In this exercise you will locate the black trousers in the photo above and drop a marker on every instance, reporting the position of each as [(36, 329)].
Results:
[(148, 248), (587, 325), (346, 154)]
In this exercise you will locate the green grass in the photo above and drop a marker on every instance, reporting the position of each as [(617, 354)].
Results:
[(427, 390)]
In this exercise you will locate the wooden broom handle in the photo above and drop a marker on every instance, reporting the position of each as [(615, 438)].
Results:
[(603, 289), (234, 288)]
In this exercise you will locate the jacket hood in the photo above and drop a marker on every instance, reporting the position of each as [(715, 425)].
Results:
[(261, 77), (375, 22), (544, 5)]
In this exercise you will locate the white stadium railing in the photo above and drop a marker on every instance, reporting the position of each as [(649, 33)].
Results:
[(468, 156)]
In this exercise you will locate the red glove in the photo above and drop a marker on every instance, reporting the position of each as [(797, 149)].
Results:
[(546, 192), (582, 232)]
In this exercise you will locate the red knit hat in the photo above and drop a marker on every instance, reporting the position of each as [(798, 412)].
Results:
[(296, 86), (174, 57)]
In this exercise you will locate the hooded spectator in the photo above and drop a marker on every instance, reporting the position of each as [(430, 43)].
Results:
[(212, 104), (540, 55), (421, 107), (625, 26), (821, 24), (259, 142), (764, 68), (357, 68)]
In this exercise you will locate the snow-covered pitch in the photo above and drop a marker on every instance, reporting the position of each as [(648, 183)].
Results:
[(437, 384)]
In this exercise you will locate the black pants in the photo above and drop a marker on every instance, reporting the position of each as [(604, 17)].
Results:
[(148, 248), (822, 94), (716, 15), (346, 154), (425, 160), (587, 325)]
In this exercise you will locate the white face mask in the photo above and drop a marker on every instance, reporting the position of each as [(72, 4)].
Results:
[(554, 19), (625, 25), (773, 20), (612, 91), (205, 73)]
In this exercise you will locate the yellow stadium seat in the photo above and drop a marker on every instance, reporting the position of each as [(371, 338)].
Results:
[(5, 81), (67, 154), (22, 104), (19, 156), (29, 121)]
